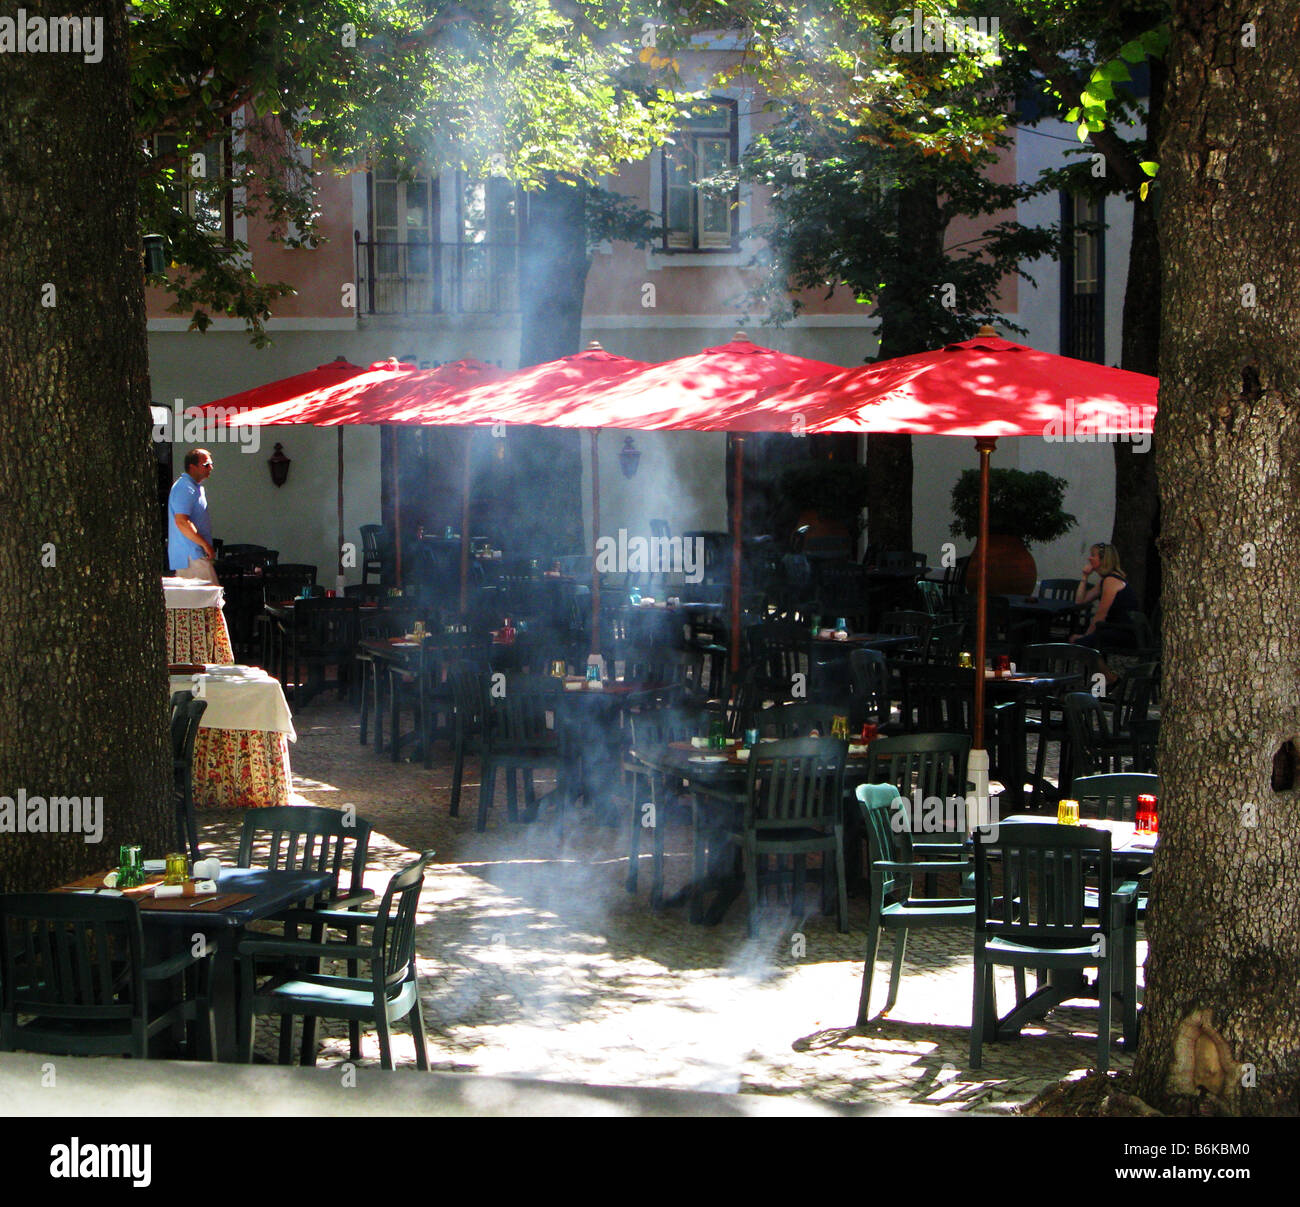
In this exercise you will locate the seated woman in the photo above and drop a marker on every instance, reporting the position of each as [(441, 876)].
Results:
[(1110, 628)]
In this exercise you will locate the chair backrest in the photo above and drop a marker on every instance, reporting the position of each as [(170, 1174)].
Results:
[(395, 929), (938, 699), (329, 626), (934, 763), (947, 640), (796, 784), (1113, 797), (466, 680), (1086, 723), (1058, 588), (286, 580), (778, 650), (301, 838), (372, 541), (1062, 658), (1045, 870), (888, 839), (659, 726), (804, 719), (518, 716), (74, 960), (869, 682), (187, 712)]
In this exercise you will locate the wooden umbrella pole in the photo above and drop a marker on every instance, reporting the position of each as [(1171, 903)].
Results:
[(397, 509), (338, 583), (984, 445), (464, 523), (595, 537), (737, 493)]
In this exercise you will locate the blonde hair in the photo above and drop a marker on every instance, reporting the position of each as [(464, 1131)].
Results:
[(1108, 559)]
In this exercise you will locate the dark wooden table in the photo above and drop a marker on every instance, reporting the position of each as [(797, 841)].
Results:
[(271, 892), (1022, 689)]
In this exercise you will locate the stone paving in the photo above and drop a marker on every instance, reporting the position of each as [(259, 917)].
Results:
[(535, 961)]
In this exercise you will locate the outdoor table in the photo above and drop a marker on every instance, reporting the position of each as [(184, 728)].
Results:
[(1009, 761), (1131, 855), (243, 895), (590, 724), (1043, 612), (720, 776), (241, 753), (196, 626)]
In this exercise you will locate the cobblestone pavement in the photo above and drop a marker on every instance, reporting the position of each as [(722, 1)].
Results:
[(536, 961)]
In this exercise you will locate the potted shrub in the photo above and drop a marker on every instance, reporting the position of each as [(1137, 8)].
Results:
[(1023, 507)]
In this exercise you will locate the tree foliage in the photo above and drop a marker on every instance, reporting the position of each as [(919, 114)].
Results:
[(522, 89)]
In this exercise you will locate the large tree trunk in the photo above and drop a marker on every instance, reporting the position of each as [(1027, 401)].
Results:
[(83, 692), (1222, 1020), (546, 463), (1137, 497), (903, 331)]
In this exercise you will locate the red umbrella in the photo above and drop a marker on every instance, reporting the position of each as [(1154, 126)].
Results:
[(985, 387), (684, 393), (981, 387)]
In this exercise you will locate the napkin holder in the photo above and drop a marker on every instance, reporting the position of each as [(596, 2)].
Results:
[(207, 869)]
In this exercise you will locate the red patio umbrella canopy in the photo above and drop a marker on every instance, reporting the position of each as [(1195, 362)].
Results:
[(688, 393), (981, 387)]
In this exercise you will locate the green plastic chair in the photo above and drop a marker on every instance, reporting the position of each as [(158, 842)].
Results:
[(72, 970), (1113, 797), (1039, 916), (519, 740), (893, 865), (309, 838), (187, 712), (794, 805), (388, 995), (652, 728)]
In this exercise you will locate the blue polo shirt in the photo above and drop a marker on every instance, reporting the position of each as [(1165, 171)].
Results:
[(187, 498)]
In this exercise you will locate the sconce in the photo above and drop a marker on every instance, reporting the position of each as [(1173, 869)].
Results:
[(155, 255), (279, 464), (629, 458)]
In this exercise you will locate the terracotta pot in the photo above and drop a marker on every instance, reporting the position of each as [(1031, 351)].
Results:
[(825, 534), (1012, 570)]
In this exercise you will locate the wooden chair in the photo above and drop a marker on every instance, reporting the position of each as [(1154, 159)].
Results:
[(187, 712)]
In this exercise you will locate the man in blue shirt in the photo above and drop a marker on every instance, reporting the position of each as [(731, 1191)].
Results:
[(189, 530)]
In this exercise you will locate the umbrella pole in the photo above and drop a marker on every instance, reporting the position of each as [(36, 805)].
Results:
[(464, 524), (978, 765), (737, 493), (397, 510), (340, 577), (595, 537)]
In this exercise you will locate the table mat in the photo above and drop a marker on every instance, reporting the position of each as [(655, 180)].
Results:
[(143, 894)]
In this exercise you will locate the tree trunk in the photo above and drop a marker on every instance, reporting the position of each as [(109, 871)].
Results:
[(903, 331), (1137, 497), (546, 463), (83, 697), (1222, 1020)]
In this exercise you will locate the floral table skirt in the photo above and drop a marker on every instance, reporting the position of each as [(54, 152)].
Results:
[(240, 768), (197, 635)]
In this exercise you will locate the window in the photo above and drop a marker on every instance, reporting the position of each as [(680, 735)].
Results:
[(438, 245), (200, 187), (696, 220), (1083, 334), (404, 226)]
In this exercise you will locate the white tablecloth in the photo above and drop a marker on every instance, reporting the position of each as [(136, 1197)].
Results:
[(249, 700), (186, 593)]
